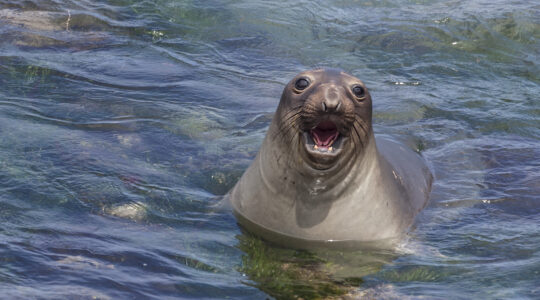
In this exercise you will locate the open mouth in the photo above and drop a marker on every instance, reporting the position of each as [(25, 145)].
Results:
[(324, 138)]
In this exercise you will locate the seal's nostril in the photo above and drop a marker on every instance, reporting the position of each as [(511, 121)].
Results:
[(331, 106)]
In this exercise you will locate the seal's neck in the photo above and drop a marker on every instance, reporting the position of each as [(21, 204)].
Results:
[(285, 171), (332, 183)]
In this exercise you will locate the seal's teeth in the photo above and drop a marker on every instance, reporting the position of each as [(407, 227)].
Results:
[(315, 147), (330, 149)]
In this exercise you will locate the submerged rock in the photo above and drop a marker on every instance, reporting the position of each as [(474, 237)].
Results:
[(135, 211), (45, 29)]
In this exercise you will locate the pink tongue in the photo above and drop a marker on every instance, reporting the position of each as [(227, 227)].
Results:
[(324, 133)]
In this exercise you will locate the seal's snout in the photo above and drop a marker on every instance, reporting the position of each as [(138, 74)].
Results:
[(332, 100), (331, 106)]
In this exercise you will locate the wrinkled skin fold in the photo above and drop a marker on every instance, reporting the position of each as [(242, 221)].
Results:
[(321, 177)]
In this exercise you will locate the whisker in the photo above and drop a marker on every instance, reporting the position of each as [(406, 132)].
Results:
[(357, 122), (286, 128), (291, 142), (362, 124), (290, 123), (358, 135), (292, 110), (291, 120), (287, 119)]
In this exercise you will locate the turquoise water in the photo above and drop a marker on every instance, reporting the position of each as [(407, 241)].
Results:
[(123, 122)]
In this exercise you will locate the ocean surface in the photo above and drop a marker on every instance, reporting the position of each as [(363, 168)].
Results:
[(123, 123)]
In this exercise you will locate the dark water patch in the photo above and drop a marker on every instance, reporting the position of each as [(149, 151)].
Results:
[(191, 262), (112, 258), (420, 273), (513, 174)]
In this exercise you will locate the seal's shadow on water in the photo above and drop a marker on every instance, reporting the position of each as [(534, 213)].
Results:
[(286, 273)]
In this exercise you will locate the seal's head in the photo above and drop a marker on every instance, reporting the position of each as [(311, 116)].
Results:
[(330, 112)]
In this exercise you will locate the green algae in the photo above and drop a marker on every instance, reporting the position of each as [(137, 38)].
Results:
[(301, 274)]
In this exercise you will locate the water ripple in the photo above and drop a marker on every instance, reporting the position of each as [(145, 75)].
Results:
[(123, 122)]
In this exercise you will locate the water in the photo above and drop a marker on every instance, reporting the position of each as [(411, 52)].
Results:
[(123, 122)]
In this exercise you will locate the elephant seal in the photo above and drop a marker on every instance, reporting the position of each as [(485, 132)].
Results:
[(320, 176)]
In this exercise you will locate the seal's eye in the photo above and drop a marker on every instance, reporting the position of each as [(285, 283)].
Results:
[(301, 84), (359, 92)]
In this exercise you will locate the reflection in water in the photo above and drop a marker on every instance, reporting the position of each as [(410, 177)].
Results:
[(122, 121), (315, 274)]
